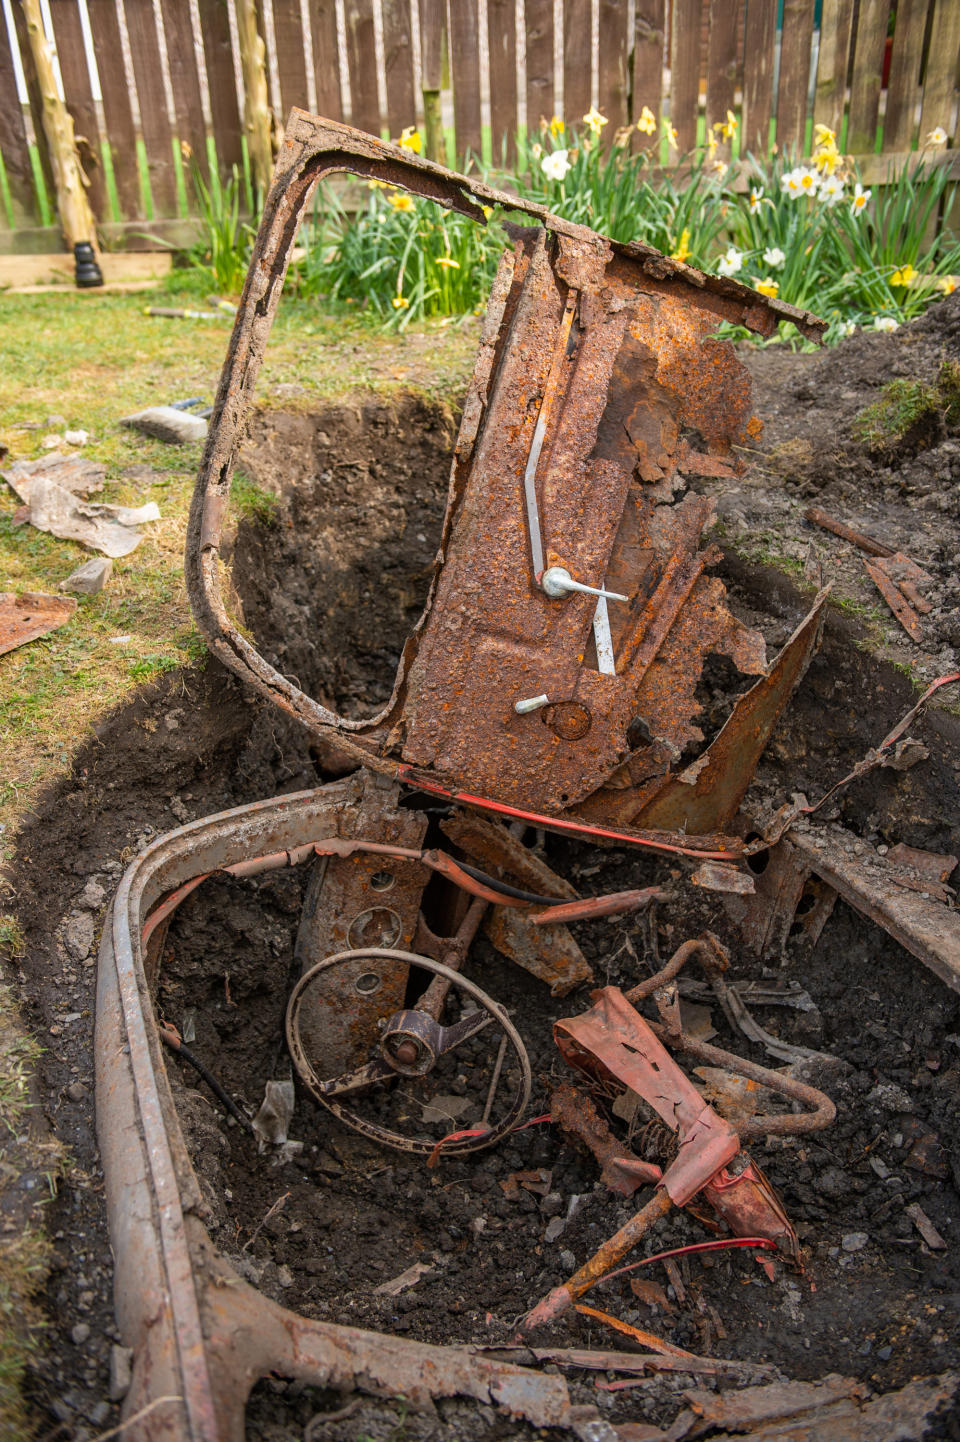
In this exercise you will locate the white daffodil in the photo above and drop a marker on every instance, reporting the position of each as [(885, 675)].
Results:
[(790, 183), (730, 263), (860, 200), (831, 189), (774, 257), (756, 199), (937, 137), (556, 165), (885, 322), (848, 327)]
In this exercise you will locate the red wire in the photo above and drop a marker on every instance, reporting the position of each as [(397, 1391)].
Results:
[(717, 1246), (479, 1132)]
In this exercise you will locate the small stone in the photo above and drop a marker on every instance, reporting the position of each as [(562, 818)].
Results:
[(99, 1414), (554, 1228), (567, 1260), (889, 1097), (884, 1354), (56, 422), (854, 1241), (89, 578), (92, 896), (79, 1334), (77, 933), (284, 1276), (51, 442), (76, 1091), (76, 438), (552, 1204), (121, 1371)]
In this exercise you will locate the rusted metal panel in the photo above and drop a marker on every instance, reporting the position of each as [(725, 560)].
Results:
[(25, 617), (547, 952)]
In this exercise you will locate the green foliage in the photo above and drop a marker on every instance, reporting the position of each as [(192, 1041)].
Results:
[(223, 252), (401, 259), (908, 408), (252, 501)]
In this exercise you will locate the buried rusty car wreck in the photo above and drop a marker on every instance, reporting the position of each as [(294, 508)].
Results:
[(550, 688)]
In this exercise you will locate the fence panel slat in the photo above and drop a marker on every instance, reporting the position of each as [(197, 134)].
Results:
[(502, 29), (117, 111), (794, 75), (361, 53), (576, 61), (218, 57), (291, 55), (723, 60), (78, 97), (831, 92), (614, 62), (940, 81), (465, 68), (326, 62), (186, 83), (903, 91), (13, 142), (760, 33), (685, 71), (398, 53), (870, 44), (539, 26), (648, 60), (154, 123), (35, 101)]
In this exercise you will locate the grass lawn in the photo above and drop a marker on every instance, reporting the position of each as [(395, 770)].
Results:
[(92, 359)]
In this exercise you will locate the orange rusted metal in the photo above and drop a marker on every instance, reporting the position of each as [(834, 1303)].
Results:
[(25, 617)]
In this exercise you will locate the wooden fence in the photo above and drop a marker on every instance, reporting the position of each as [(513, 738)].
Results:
[(155, 87)]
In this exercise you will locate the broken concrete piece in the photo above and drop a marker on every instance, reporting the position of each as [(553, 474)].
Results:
[(167, 424), (77, 933), (90, 578), (23, 618), (272, 1121), (109, 529)]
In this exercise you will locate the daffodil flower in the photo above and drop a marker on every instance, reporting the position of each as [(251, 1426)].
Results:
[(769, 288), (671, 133), (410, 139), (555, 166), (400, 201), (903, 276), (721, 167), (823, 136), (756, 199), (937, 137), (831, 189), (487, 211), (683, 249), (728, 127), (536, 150), (647, 124), (861, 199), (947, 284), (594, 121), (774, 257), (885, 322), (790, 183), (377, 185), (400, 302), (448, 262), (730, 263), (556, 126)]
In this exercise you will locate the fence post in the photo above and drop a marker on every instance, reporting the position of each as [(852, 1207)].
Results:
[(433, 25), (76, 217), (256, 107)]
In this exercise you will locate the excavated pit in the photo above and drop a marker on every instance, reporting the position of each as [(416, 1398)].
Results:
[(329, 586)]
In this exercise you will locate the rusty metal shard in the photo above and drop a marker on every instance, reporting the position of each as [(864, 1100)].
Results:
[(707, 795), (25, 617), (547, 952)]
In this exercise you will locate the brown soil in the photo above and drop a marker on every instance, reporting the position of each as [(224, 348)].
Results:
[(329, 591)]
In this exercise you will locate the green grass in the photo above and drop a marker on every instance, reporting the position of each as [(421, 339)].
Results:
[(908, 407), (251, 501)]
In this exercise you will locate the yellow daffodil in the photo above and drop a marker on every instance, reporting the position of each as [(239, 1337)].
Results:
[(487, 211), (823, 136), (186, 149), (594, 121), (556, 126), (401, 201), (683, 249), (728, 127), (767, 287), (947, 284), (410, 139), (671, 133), (647, 124), (711, 143), (904, 276), (400, 302), (377, 185), (937, 137), (448, 262)]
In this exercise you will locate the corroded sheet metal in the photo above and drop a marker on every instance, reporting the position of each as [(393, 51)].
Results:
[(25, 617), (600, 383)]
